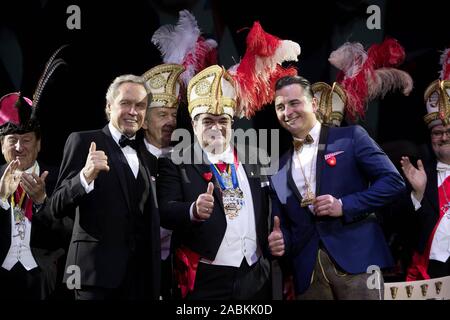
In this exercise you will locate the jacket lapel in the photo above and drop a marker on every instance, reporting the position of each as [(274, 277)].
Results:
[(320, 155), (144, 170), (201, 164), (117, 161), (431, 192), (252, 173), (146, 163), (290, 179)]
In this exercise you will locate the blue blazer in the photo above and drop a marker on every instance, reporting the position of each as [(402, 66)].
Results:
[(364, 179)]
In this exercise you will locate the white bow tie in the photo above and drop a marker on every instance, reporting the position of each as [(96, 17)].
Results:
[(442, 167), (224, 157)]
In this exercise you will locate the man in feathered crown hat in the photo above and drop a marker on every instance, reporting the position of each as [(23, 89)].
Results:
[(159, 123), (184, 52), (30, 242), (323, 222), (222, 230), (430, 184), (160, 120)]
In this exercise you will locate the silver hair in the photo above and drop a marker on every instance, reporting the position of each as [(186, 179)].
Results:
[(114, 86)]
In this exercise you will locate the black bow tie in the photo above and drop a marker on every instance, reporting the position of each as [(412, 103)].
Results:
[(298, 144), (124, 141)]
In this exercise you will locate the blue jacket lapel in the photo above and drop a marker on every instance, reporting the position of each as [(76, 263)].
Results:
[(320, 155)]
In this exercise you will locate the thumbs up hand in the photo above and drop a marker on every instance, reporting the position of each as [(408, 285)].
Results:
[(96, 161), (276, 240), (204, 204)]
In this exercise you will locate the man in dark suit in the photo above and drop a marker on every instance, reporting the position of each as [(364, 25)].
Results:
[(32, 242), (104, 182), (214, 202), (430, 186), (324, 194)]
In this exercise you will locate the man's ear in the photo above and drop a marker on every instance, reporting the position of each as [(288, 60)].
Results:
[(193, 125), (144, 125), (108, 111), (314, 104)]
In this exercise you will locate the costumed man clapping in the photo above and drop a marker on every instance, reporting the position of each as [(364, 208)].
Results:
[(29, 240)]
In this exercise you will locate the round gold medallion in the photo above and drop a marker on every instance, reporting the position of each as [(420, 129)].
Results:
[(203, 87), (157, 81)]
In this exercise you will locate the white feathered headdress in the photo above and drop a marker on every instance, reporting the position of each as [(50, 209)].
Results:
[(183, 44)]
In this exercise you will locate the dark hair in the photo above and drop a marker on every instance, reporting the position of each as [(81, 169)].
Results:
[(288, 80)]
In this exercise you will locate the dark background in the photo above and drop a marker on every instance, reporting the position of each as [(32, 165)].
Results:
[(115, 39)]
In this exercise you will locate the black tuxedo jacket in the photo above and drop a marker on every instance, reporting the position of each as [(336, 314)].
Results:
[(116, 230), (179, 186), (428, 214)]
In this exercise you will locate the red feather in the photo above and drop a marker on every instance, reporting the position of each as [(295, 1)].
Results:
[(445, 63), (387, 54), (369, 82), (259, 69)]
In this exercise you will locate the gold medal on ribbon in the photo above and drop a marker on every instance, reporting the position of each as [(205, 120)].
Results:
[(232, 195), (232, 201)]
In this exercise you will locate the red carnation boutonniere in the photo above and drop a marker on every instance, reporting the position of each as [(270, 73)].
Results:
[(207, 176)]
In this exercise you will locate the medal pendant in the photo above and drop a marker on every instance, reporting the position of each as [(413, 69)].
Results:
[(227, 180), (232, 202), (18, 215), (308, 199)]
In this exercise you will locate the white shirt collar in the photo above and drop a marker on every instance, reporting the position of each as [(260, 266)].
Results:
[(153, 149), (116, 134), (227, 156), (440, 166), (314, 132), (34, 168)]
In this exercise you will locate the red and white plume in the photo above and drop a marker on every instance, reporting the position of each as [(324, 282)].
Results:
[(368, 75), (445, 63), (183, 44), (260, 68)]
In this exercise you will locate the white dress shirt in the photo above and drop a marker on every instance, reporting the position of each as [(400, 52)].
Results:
[(129, 153), (20, 250), (308, 158), (240, 239), (440, 247), (164, 234)]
